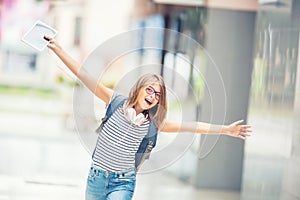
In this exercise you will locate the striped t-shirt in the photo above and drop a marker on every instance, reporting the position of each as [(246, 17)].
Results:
[(118, 143)]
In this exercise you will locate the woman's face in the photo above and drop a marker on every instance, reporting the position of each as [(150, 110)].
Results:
[(149, 96)]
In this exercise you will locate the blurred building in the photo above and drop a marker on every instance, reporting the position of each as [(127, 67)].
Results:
[(255, 46), (22, 65)]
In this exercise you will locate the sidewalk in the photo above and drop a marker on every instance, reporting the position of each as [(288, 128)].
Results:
[(37, 151), (149, 187)]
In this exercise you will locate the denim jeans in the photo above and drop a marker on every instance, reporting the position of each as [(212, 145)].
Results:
[(105, 185)]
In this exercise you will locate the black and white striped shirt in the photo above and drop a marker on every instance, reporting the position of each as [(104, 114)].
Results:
[(118, 143)]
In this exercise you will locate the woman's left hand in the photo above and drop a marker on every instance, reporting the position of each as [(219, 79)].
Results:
[(237, 130)]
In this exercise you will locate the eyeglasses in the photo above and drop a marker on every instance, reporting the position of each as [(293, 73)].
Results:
[(150, 90)]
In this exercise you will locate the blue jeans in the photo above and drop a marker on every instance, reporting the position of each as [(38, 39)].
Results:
[(105, 185)]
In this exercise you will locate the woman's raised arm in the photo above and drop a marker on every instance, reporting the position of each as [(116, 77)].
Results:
[(236, 129), (101, 91)]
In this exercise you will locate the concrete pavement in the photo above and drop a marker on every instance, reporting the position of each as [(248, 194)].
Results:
[(37, 151)]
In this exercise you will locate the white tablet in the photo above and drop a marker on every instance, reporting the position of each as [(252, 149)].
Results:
[(34, 37)]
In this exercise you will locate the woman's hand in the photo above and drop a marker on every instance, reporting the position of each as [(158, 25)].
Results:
[(237, 130), (53, 45)]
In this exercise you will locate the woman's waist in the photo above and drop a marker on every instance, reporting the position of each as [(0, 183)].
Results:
[(112, 173)]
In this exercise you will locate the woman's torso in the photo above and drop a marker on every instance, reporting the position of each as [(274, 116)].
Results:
[(118, 143)]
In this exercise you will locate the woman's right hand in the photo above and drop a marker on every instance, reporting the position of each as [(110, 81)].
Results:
[(53, 44)]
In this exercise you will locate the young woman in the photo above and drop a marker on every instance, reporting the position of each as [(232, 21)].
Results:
[(113, 170)]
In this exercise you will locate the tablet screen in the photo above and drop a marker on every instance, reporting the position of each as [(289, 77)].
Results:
[(35, 36)]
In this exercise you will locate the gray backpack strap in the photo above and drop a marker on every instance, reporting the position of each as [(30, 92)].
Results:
[(116, 101), (146, 146)]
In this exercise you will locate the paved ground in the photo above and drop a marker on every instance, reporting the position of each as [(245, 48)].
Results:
[(38, 147), (37, 151)]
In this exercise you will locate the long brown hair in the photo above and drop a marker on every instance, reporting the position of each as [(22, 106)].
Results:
[(158, 112)]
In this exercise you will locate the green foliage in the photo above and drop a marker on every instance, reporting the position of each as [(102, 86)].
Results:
[(62, 80), (28, 91)]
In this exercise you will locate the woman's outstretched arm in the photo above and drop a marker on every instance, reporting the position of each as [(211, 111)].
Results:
[(101, 91), (236, 129)]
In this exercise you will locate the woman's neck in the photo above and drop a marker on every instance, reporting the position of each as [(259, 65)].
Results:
[(138, 109)]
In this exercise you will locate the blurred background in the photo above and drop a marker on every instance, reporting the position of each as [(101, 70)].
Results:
[(255, 46)]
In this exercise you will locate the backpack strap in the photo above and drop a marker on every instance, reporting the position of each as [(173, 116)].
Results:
[(116, 101), (146, 146)]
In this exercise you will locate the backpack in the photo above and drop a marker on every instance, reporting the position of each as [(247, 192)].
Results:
[(149, 141)]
